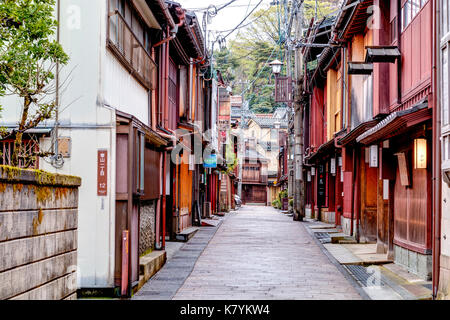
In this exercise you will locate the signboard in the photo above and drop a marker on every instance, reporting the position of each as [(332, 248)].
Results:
[(102, 173), (210, 162), (321, 185), (283, 89), (333, 166), (373, 156)]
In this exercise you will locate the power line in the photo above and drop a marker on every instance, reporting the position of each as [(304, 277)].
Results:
[(245, 25), (248, 15)]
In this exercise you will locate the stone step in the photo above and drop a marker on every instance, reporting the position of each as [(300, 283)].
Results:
[(149, 265), (186, 234), (336, 237)]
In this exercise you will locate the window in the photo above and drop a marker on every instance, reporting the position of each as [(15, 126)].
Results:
[(129, 40), (415, 8), (406, 15), (410, 10), (445, 17), (394, 30), (183, 88), (273, 134), (368, 93)]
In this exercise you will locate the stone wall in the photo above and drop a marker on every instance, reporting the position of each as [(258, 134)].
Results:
[(38, 235), (147, 227), (419, 264)]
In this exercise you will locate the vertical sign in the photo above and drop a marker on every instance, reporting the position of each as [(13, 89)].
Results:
[(333, 166), (373, 156), (385, 189), (102, 173), (321, 185)]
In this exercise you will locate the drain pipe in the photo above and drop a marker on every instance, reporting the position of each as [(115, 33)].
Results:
[(436, 157), (353, 192)]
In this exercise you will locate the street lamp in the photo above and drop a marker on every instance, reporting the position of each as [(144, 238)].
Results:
[(276, 67)]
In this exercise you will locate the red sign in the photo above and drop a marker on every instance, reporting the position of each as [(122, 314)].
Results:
[(102, 173)]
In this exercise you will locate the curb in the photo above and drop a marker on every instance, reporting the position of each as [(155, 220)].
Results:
[(336, 263)]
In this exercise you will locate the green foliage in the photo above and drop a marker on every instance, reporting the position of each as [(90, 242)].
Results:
[(324, 8), (226, 64), (29, 60), (276, 204), (282, 195)]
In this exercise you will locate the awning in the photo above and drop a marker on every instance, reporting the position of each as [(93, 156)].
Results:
[(32, 131), (396, 123), (382, 54), (324, 149), (350, 138), (360, 68)]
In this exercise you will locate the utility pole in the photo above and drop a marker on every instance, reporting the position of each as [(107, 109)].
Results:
[(299, 189)]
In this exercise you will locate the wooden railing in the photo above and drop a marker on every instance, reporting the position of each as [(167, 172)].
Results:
[(129, 50)]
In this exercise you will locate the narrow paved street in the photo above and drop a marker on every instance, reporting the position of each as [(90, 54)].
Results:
[(258, 253)]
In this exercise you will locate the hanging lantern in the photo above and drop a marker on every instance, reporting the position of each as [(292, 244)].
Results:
[(276, 67), (420, 153)]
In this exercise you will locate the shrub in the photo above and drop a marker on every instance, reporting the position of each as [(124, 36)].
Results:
[(276, 204)]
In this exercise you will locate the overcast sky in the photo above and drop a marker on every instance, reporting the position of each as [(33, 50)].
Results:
[(229, 17)]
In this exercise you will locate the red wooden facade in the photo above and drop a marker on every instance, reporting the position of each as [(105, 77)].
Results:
[(383, 113)]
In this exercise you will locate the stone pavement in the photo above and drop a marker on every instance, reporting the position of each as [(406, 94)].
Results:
[(259, 253), (181, 259)]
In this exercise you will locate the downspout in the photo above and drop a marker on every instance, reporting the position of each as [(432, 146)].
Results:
[(436, 157), (399, 45), (357, 187), (166, 84), (353, 191), (164, 201)]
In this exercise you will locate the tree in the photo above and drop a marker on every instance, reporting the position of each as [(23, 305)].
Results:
[(29, 61)]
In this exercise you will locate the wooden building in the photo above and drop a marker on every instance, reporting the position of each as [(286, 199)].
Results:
[(368, 119)]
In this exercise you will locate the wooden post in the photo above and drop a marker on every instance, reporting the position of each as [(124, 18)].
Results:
[(125, 263)]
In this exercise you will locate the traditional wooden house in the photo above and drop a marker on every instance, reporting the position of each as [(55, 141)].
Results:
[(369, 111)]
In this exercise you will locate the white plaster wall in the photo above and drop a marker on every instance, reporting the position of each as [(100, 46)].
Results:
[(123, 92), (91, 126), (89, 121)]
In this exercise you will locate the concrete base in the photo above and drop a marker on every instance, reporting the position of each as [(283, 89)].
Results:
[(444, 282), (419, 264), (329, 217), (308, 213), (149, 265), (346, 224)]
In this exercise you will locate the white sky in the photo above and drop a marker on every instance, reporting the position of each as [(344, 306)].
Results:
[(229, 17)]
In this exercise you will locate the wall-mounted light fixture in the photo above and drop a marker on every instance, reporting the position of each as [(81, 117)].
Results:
[(420, 153)]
